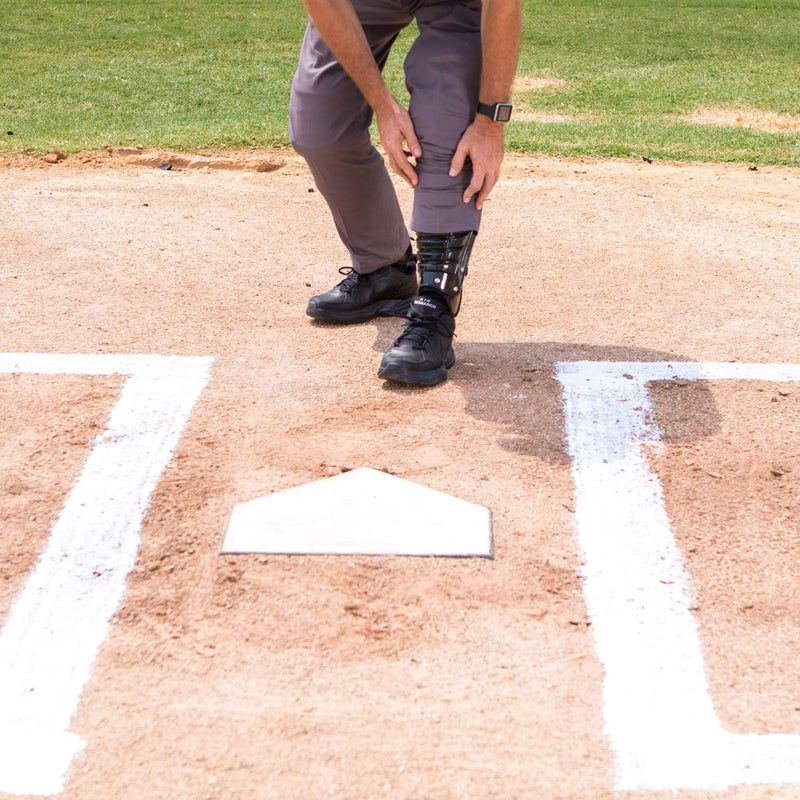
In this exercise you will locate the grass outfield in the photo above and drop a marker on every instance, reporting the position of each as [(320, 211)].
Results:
[(618, 78)]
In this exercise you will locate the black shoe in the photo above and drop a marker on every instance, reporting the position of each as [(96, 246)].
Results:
[(387, 292), (423, 352)]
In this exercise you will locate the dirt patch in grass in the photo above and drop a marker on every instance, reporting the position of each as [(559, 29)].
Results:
[(536, 83), (523, 113), (768, 121), (526, 85)]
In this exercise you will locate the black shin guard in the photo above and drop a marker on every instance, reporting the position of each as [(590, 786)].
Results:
[(443, 259)]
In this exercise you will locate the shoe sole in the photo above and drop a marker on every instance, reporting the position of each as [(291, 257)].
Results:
[(385, 308), (402, 374)]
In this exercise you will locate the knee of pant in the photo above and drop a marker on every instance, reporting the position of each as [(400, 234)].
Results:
[(323, 129), (328, 149), (305, 146), (304, 138)]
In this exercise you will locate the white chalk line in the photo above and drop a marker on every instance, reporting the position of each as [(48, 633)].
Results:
[(60, 619), (660, 718)]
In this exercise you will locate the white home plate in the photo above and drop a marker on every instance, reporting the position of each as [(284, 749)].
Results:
[(363, 512)]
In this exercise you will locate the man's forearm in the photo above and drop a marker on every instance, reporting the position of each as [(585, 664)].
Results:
[(500, 34), (339, 27)]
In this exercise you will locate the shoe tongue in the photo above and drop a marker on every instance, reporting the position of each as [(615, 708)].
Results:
[(428, 306)]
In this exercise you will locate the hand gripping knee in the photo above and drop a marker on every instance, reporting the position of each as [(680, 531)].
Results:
[(442, 259)]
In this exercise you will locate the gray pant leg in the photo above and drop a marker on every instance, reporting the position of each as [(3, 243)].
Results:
[(443, 76), (329, 126)]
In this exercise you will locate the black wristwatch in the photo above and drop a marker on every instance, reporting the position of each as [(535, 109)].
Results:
[(499, 112)]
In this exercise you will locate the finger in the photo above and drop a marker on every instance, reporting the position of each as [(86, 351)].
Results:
[(411, 180), (408, 173), (483, 195), (403, 168), (474, 186), (413, 142), (400, 163), (457, 164)]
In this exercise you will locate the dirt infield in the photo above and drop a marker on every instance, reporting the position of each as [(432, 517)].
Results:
[(365, 677)]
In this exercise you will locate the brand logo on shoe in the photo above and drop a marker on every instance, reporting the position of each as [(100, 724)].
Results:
[(426, 302)]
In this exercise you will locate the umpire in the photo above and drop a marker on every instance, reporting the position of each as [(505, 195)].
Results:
[(448, 146)]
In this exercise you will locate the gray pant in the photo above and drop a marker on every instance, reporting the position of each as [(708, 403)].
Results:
[(329, 125)]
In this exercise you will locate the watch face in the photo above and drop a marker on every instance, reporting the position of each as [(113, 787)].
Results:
[(503, 112)]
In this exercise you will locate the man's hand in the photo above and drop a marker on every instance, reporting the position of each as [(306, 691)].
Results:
[(484, 143), (395, 127), (339, 26)]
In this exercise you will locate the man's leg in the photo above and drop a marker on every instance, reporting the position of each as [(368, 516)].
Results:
[(443, 71), (329, 127), (443, 77)]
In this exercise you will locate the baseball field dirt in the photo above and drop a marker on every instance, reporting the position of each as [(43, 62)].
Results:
[(254, 676)]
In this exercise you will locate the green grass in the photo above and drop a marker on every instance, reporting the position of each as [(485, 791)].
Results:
[(174, 73), (632, 68), (215, 74)]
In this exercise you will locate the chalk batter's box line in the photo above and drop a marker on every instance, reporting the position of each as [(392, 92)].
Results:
[(60, 619), (660, 719)]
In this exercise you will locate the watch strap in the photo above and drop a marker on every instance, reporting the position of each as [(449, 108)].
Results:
[(499, 112)]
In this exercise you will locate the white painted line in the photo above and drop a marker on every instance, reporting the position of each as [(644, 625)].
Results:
[(362, 512), (660, 719), (59, 620)]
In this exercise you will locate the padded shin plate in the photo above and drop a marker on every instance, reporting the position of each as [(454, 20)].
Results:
[(443, 259)]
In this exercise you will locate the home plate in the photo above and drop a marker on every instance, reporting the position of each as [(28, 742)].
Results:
[(363, 512)]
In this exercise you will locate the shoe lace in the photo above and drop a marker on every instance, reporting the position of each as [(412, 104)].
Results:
[(351, 279), (418, 330)]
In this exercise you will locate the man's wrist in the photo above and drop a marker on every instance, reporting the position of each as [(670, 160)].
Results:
[(384, 101), (485, 127), (496, 112)]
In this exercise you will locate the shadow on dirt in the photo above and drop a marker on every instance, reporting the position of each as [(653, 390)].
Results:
[(514, 385)]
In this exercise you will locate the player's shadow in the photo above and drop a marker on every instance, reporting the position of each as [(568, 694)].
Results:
[(515, 386)]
